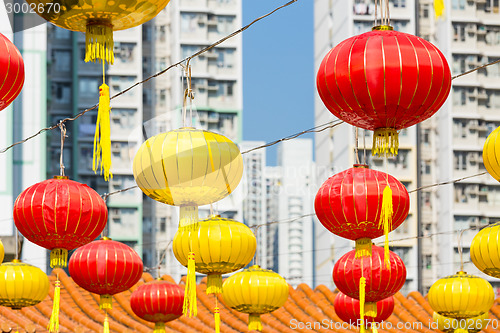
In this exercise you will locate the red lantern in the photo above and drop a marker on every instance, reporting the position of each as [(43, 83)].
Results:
[(351, 203), (381, 281), (347, 308), (384, 81), (60, 215), (158, 302), (11, 70), (105, 267)]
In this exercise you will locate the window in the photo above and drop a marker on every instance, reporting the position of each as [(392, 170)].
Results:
[(189, 22), (146, 33), (460, 160), (426, 167), (458, 4), (492, 35), (124, 52), (428, 261), (62, 33), (62, 92), (61, 60), (88, 87), (458, 32), (459, 96), (401, 3), (426, 134), (163, 224)]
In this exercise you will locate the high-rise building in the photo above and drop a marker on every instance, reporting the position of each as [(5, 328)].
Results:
[(335, 21)]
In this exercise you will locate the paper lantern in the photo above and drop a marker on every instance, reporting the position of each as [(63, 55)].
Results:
[(381, 281), (60, 215), (188, 167), (347, 308), (2, 252), (255, 291), (158, 302), (12, 72), (22, 285), (221, 246), (105, 267), (485, 250), (356, 204), (461, 296), (491, 154), (470, 325), (384, 81)]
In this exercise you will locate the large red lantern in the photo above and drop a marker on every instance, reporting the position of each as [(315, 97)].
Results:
[(384, 81), (353, 204), (60, 215), (11, 72), (158, 302), (381, 281), (105, 267), (347, 308)]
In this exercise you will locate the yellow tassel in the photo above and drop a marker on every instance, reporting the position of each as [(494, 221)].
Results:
[(371, 309), (363, 248), (386, 221), (189, 308), (214, 284), (460, 330), (105, 326), (106, 302), (54, 318), (58, 258), (159, 328), (374, 327), (188, 217), (385, 142), (102, 137), (217, 319), (99, 43), (254, 322), (362, 287)]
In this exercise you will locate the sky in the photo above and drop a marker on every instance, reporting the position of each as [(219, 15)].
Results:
[(278, 71)]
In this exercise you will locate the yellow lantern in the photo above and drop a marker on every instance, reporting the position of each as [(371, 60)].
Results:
[(22, 285), (485, 250), (491, 154), (461, 296), (470, 325), (255, 291), (222, 246), (188, 167), (2, 252)]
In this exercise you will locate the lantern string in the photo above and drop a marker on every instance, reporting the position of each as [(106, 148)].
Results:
[(63, 137), (17, 243), (460, 249), (364, 146), (356, 148), (388, 16)]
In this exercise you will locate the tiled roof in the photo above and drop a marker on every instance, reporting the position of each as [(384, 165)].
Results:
[(305, 307)]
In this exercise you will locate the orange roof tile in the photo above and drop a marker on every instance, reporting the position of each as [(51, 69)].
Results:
[(306, 311)]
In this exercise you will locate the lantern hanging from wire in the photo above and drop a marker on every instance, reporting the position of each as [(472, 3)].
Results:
[(461, 296), (255, 291), (469, 325), (348, 309), (384, 81), (98, 19), (105, 260), (361, 204), (491, 154), (158, 302), (11, 72), (485, 250), (60, 215), (188, 168), (22, 285)]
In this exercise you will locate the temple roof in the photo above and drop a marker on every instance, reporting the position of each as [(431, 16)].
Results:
[(79, 312)]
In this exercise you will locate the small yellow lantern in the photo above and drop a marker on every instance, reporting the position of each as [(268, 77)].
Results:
[(461, 296), (470, 325), (485, 250), (491, 154), (222, 246), (255, 291), (22, 285), (2, 251)]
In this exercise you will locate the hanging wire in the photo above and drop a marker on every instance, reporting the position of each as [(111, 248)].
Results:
[(63, 137), (356, 148), (364, 147), (17, 243), (460, 250)]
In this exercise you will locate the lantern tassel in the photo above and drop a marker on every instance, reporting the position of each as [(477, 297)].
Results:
[(460, 330), (385, 142), (386, 221), (254, 322), (106, 302), (217, 319), (105, 325), (374, 327), (58, 258), (102, 137), (214, 284), (99, 43), (371, 309), (363, 248), (159, 328), (189, 308), (362, 286), (54, 318)]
